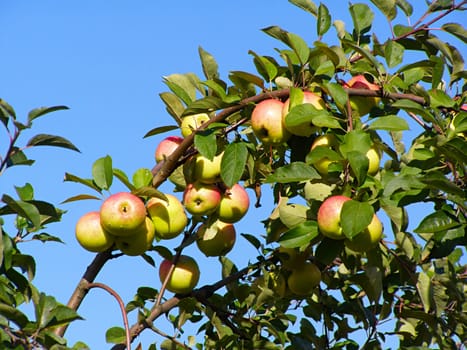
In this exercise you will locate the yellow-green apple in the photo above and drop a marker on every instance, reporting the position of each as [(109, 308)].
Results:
[(139, 242), (304, 279), (368, 238), (304, 129), (216, 238), (329, 216), (267, 122), (234, 204), (121, 213), (91, 235), (192, 122), (168, 216), (361, 104), (201, 199), (326, 140), (206, 170), (374, 158), (184, 277), (166, 147)]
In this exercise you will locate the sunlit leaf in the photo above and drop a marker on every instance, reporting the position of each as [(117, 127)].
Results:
[(102, 172), (456, 29), (295, 172), (436, 222), (299, 235), (389, 122), (355, 217), (51, 140), (160, 130), (233, 163), (388, 7), (394, 53), (209, 64), (306, 5), (115, 335), (206, 144), (362, 17), (38, 112), (323, 22)]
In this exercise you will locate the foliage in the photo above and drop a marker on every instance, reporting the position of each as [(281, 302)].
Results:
[(413, 279)]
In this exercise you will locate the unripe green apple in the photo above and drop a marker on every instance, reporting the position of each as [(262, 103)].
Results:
[(329, 216), (374, 158), (361, 104), (169, 216), (201, 199), (206, 170), (184, 277), (166, 147), (326, 140), (369, 238), (192, 122), (303, 280), (267, 122), (215, 239), (234, 204), (122, 213), (139, 242), (305, 129), (91, 235)]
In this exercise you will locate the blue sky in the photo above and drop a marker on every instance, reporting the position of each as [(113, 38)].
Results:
[(106, 61)]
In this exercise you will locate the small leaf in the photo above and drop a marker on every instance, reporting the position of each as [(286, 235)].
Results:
[(173, 105), (86, 182), (255, 242), (362, 17), (265, 66), (80, 197), (24, 209), (250, 78), (119, 174), (355, 217), (424, 288), (102, 172), (51, 140), (390, 123), (456, 29), (115, 335), (37, 112), (306, 5), (436, 222), (233, 163), (160, 130), (14, 315), (359, 164), (394, 53), (149, 191), (324, 20), (142, 177), (405, 6), (300, 235), (387, 7), (209, 64), (206, 144), (295, 172)]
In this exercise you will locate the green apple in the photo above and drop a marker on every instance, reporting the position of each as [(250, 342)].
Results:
[(303, 280), (291, 258), (304, 129), (329, 216), (139, 242), (166, 147), (267, 122), (169, 216), (374, 159), (192, 122), (369, 238), (361, 104), (184, 277), (122, 213), (206, 170), (216, 238), (234, 204), (91, 235), (326, 140), (201, 199)]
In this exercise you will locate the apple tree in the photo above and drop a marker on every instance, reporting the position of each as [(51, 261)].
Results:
[(358, 141)]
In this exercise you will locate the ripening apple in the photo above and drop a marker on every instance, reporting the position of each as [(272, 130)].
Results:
[(166, 147), (184, 277), (234, 204), (139, 242), (304, 279), (304, 129), (91, 235), (329, 216), (201, 199), (216, 238), (206, 170), (369, 238), (169, 216), (374, 159), (326, 140), (267, 122), (192, 122), (121, 213), (361, 104)]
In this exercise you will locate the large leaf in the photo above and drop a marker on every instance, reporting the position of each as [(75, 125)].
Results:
[(295, 172), (387, 7), (300, 235), (436, 222), (24, 209), (394, 53), (295, 42), (206, 144), (355, 217), (209, 64), (362, 17), (456, 29), (233, 163), (102, 173), (390, 123), (51, 140)]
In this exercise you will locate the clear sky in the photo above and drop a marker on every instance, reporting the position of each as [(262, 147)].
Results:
[(106, 61)]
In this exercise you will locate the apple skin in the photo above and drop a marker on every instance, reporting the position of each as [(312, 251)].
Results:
[(234, 204), (169, 216), (216, 239), (303, 280), (360, 104), (122, 213), (139, 242), (185, 275), (201, 199), (90, 234), (206, 170), (192, 122), (374, 159), (267, 122), (368, 239), (328, 217), (305, 129), (327, 140), (166, 147)]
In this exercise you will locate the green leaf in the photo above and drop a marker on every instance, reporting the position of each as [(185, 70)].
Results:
[(364, 53), (86, 182), (359, 164), (438, 98), (338, 94), (233, 163), (455, 29), (265, 66), (328, 249), (387, 7), (405, 6), (390, 123), (17, 157), (51, 140), (206, 144), (324, 20), (119, 174), (14, 315), (424, 288), (414, 107), (356, 140), (37, 112), (255, 242), (436, 222), (306, 5), (394, 53), (102, 172), (160, 130), (142, 177), (292, 214), (295, 42), (24, 209), (295, 172), (209, 64), (182, 86), (173, 105), (355, 217), (248, 77), (300, 235), (362, 18), (115, 335), (25, 192)]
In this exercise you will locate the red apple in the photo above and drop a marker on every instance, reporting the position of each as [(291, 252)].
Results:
[(328, 217), (234, 204), (201, 199), (215, 239), (184, 277), (267, 122), (90, 234), (169, 216), (139, 242), (122, 213), (305, 129), (361, 104), (166, 147)]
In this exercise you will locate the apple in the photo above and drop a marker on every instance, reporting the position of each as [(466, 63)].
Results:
[(234, 204), (192, 122), (326, 140), (139, 242), (184, 277), (368, 239), (206, 170), (122, 213), (291, 258), (201, 199), (267, 122), (361, 104), (215, 239), (273, 280), (304, 279), (91, 235), (374, 158), (166, 147), (304, 129), (328, 217), (169, 216)]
